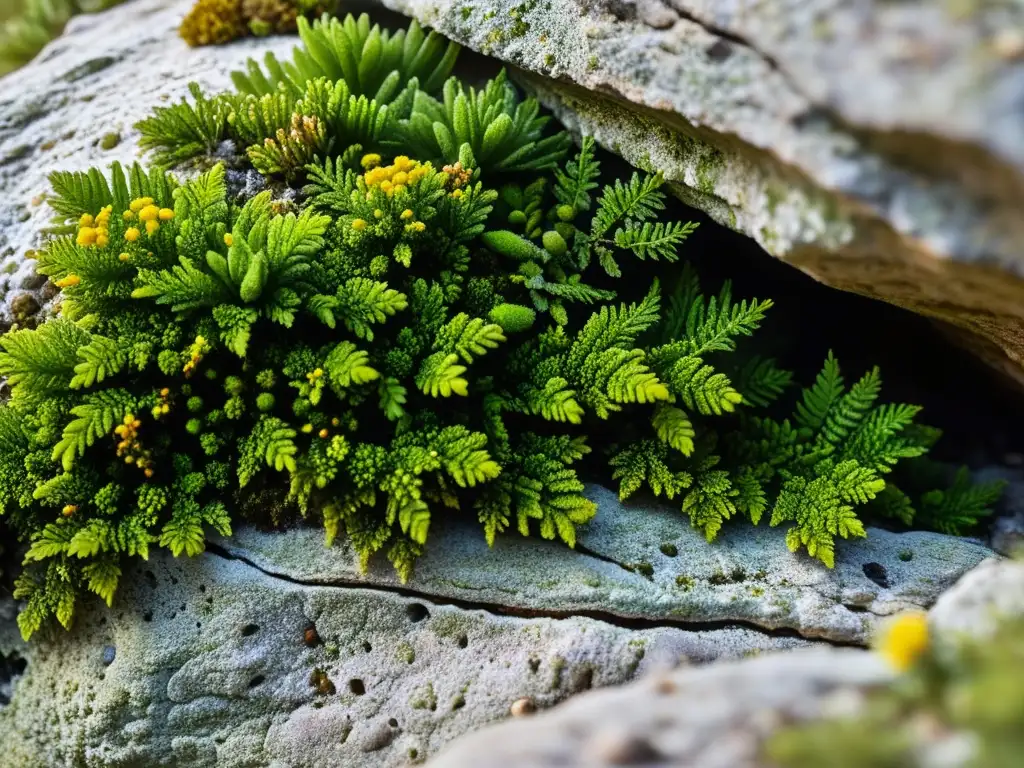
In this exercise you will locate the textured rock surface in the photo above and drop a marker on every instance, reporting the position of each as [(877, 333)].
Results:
[(205, 662), (878, 146), (719, 716), (621, 570)]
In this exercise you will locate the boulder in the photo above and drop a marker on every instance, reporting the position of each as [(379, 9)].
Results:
[(272, 650), (877, 146)]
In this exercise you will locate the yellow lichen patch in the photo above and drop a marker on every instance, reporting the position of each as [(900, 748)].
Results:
[(213, 22), (903, 639)]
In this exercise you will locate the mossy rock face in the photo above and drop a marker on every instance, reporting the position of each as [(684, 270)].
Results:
[(879, 166)]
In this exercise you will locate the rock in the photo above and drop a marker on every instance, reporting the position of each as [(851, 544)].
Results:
[(993, 589), (621, 571), (875, 145), (212, 668), (1007, 536), (721, 715), (714, 717)]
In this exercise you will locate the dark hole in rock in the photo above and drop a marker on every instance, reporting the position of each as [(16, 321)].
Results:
[(534, 665), (250, 629), (357, 686), (877, 573), (720, 50), (417, 612), (12, 667), (393, 722), (147, 616), (367, 647), (150, 579), (257, 681), (463, 641)]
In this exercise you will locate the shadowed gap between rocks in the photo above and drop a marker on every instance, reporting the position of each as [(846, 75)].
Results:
[(523, 613)]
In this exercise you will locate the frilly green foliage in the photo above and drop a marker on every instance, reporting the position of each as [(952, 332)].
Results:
[(413, 338)]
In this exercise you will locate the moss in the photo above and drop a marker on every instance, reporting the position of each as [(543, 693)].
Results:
[(405, 652), (549, 60), (709, 167), (906, 555), (557, 672), (592, 63), (110, 140), (424, 698), (669, 549), (685, 582)]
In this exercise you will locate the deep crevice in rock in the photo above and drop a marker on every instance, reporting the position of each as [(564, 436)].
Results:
[(498, 609), (12, 666)]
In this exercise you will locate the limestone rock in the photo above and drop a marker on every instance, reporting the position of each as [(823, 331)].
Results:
[(638, 561), (877, 146), (992, 590), (208, 662)]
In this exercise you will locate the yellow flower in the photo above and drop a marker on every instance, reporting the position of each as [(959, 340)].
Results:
[(69, 510), (166, 214), (85, 221), (102, 239), (68, 281), (371, 160), (457, 194), (125, 257), (229, 240), (903, 639), (140, 203), (104, 216), (128, 216), (152, 227), (307, 428), (87, 236), (359, 225), (149, 213), (323, 433), (407, 214), (378, 213), (400, 178), (132, 234)]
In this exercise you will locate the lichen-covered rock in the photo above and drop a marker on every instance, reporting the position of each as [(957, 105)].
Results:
[(209, 662), (877, 146), (722, 716), (637, 561)]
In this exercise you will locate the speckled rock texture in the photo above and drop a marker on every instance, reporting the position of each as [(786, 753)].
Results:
[(876, 145), (209, 662), (271, 650), (637, 561), (719, 716)]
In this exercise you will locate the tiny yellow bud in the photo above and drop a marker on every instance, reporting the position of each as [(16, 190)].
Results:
[(125, 257), (102, 240), (166, 214), (318, 372), (129, 459), (85, 221), (69, 510), (200, 340), (229, 240), (87, 236), (335, 421), (419, 226), (903, 639), (400, 178), (307, 428), (152, 227), (457, 193), (132, 234), (323, 433), (369, 161), (378, 214), (140, 203), (165, 408), (148, 472), (407, 214), (359, 225), (165, 392), (68, 281), (128, 216)]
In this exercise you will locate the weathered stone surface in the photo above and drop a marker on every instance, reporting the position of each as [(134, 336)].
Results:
[(620, 570), (208, 662), (877, 146), (719, 716)]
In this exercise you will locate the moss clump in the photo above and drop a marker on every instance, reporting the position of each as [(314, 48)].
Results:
[(110, 140)]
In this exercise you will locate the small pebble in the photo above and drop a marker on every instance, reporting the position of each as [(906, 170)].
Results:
[(378, 737), (523, 707), (311, 637), (109, 654)]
